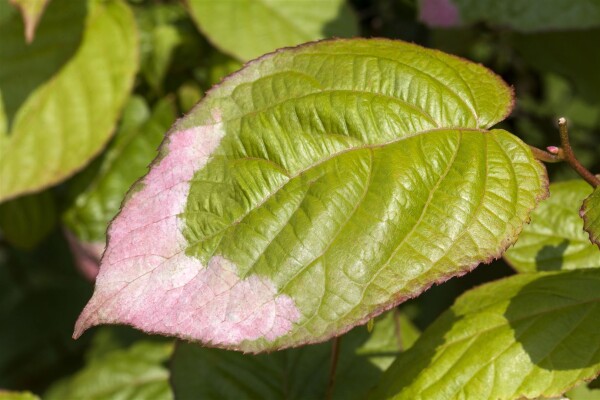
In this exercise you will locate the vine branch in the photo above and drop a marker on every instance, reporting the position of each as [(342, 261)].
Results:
[(335, 355), (565, 153), (546, 156), (569, 156)]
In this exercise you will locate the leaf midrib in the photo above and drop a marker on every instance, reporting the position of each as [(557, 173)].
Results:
[(316, 165)]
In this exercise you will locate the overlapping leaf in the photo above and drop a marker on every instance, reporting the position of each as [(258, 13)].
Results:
[(555, 239), (590, 212), (250, 28), (316, 188), (528, 336), (55, 128)]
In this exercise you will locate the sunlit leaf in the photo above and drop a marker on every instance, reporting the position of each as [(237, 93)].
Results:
[(313, 190), (249, 28), (528, 336), (56, 127), (555, 239), (590, 212)]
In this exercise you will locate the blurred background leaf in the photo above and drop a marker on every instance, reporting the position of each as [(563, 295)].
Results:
[(138, 372), (17, 396), (82, 94), (247, 29)]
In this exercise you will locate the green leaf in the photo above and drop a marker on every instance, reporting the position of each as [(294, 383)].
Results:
[(68, 119), (590, 212), (32, 11), (527, 336), (247, 29), (531, 16), (25, 221), (555, 239), (125, 161), (17, 396), (301, 373), (135, 373), (313, 190)]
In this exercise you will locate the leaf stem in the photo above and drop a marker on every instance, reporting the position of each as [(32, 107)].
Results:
[(335, 355), (569, 156)]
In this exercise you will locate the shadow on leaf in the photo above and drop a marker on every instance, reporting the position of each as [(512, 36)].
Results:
[(555, 319), (551, 258)]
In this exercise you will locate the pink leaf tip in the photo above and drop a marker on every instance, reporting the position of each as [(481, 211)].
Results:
[(147, 280)]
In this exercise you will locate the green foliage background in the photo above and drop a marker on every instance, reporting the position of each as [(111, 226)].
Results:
[(174, 51)]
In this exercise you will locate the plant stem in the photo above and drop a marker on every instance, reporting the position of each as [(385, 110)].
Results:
[(569, 156), (545, 156), (335, 355)]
